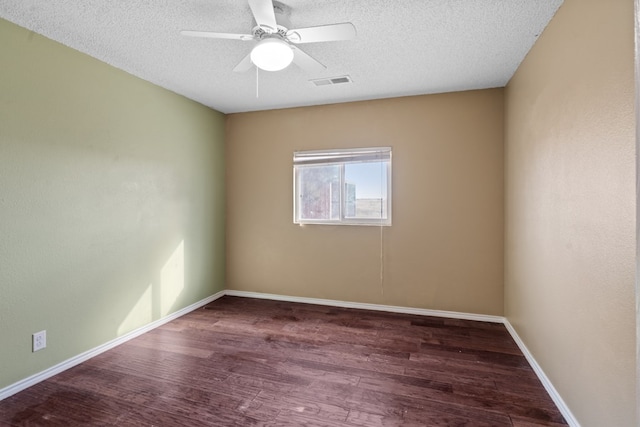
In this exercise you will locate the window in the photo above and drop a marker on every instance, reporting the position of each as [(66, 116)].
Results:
[(342, 186)]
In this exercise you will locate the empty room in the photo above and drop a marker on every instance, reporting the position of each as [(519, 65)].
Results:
[(297, 213)]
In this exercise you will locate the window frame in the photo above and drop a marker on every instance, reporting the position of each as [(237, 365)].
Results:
[(342, 157)]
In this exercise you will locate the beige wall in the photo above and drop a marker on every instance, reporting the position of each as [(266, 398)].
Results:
[(445, 248), (570, 208), (111, 202)]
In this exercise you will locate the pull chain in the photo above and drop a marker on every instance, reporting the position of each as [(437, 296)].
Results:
[(257, 83)]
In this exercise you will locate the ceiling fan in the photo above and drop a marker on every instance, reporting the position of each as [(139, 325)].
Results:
[(276, 47)]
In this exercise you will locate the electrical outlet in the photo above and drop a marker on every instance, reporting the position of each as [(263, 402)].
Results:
[(39, 340)]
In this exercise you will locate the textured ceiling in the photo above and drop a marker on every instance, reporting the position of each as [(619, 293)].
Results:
[(403, 47)]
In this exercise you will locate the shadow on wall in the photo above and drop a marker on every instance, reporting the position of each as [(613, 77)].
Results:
[(159, 298)]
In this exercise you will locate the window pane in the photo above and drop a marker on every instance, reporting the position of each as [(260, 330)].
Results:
[(319, 192), (366, 190), (343, 186)]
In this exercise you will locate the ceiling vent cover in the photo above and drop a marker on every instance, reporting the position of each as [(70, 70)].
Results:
[(332, 81)]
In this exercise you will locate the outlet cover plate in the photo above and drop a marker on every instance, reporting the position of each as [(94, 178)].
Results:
[(39, 340)]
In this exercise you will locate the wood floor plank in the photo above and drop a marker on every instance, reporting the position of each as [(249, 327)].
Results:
[(525, 422), (294, 404), (248, 362), (389, 404)]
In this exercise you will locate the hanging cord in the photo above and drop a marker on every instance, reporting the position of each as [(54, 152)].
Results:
[(381, 261), (381, 234)]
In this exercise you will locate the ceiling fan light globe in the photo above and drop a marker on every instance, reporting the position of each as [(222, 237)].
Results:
[(272, 54)]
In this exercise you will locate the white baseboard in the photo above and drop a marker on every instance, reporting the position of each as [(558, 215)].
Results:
[(69, 363), (365, 306), (546, 382)]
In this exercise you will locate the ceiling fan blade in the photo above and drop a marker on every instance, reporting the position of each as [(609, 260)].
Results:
[(306, 62), (323, 33), (264, 15), (212, 35), (244, 65)]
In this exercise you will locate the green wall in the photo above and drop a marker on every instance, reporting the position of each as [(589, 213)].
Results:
[(111, 202)]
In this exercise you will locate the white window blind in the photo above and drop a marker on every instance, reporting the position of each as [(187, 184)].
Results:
[(340, 156)]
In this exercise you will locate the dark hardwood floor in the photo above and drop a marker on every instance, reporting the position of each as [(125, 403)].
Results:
[(245, 362)]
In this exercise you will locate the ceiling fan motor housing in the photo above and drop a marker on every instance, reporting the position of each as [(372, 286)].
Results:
[(282, 13)]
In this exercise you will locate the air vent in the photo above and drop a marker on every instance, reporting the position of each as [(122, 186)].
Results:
[(332, 81)]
